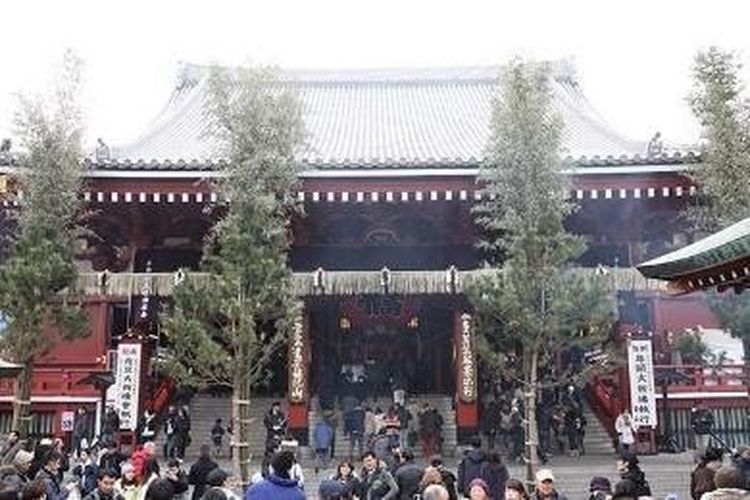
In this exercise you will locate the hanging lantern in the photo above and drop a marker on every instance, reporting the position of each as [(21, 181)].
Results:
[(345, 324), (413, 323), (385, 279), (451, 279)]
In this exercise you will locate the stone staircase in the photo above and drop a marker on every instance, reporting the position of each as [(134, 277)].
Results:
[(205, 409), (444, 405), (597, 440)]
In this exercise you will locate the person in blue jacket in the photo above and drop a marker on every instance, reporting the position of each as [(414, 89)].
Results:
[(323, 437), (277, 485)]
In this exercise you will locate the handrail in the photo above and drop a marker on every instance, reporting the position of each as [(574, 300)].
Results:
[(707, 378), (162, 396)]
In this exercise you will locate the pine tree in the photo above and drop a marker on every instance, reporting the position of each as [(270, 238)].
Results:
[(531, 305), (717, 101), (224, 330), (41, 261)]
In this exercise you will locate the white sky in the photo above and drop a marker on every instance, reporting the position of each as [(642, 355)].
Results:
[(633, 57)]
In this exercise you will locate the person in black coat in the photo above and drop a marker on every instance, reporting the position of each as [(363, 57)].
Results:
[(199, 471), (471, 465), (495, 474), (81, 426), (631, 472), (177, 477), (111, 424), (275, 424), (408, 476), (112, 459)]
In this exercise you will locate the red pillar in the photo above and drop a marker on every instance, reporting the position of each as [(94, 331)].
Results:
[(465, 364)]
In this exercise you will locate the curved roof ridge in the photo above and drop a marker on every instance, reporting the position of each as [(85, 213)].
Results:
[(564, 69)]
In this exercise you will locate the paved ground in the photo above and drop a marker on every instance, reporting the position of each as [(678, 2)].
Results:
[(666, 473)]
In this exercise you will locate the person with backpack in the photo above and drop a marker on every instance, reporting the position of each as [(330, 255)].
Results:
[(471, 465)]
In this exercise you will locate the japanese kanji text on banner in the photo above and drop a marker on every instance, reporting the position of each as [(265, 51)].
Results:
[(642, 391), (127, 382)]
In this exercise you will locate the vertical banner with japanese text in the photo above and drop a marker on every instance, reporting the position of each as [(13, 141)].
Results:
[(642, 390), (298, 362), (466, 362), (128, 383)]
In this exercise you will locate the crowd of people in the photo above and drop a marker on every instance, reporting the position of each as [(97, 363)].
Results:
[(560, 420), (366, 427), (385, 467), (480, 475), (98, 470)]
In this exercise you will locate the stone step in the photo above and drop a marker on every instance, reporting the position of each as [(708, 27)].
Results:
[(204, 410), (442, 403)]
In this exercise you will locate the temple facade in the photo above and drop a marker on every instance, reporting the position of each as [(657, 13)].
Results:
[(386, 245)]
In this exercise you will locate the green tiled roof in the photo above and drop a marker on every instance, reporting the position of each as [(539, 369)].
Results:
[(723, 247)]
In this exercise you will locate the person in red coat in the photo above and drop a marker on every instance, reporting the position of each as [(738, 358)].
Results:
[(140, 457)]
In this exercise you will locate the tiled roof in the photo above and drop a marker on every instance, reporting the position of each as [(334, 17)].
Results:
[(406, 118), (378, 118), (723, 247)]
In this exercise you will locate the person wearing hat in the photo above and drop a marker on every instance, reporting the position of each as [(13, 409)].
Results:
[(599, 488), (545, 487), (16, 474), (478, 490)]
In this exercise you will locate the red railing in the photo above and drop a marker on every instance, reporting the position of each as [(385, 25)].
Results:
[(162, 396), (728, 378), (604, 391), (54, 382)]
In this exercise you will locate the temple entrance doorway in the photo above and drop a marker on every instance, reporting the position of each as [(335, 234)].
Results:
[(367, 346)]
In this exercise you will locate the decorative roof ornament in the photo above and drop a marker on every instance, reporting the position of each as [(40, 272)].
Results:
[(102, 152), (655, 146), (5, 156)]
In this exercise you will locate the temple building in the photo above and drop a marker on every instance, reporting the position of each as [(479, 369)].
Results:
[(387, 244)]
